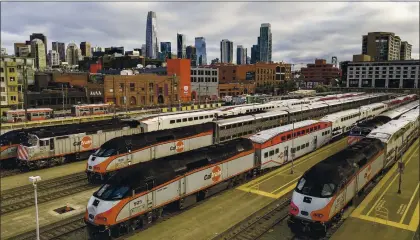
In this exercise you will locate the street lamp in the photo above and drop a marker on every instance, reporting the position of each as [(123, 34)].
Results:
[(34, 180), (293, 145)]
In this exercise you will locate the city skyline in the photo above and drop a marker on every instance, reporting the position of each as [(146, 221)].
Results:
[(336, 29)]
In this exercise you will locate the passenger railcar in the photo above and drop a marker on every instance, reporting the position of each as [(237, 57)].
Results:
[(325, 189), (122, 152), (137, 195)]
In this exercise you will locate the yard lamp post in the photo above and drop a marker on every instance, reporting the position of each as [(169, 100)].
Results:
[(34, 180), (293, 145)]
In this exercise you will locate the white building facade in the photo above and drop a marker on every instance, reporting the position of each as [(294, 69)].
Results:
[(386, 74), (204, 83), (54, 58)]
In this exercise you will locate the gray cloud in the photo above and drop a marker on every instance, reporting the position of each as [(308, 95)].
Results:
[(301, 31)]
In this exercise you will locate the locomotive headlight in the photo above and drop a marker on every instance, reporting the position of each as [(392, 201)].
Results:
[(318, 215)]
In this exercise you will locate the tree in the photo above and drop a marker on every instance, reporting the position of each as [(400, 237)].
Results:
[(320, 88)]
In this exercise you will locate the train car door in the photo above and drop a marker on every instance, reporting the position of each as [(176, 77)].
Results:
[(286, 154), (315, 142)]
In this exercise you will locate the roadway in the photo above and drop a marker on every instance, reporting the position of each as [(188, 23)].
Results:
[(217, 214), (384, 213)]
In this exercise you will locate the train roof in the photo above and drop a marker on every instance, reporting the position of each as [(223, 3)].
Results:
[(268, 134), (84, 127), (386, 131), (178, 116), (373, 105), (399, 110), (165, 169), (31, 110), (411, 115), (340, 166), (229, 121), (338, 115)]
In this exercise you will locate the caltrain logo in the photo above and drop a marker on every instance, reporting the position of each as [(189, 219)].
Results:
[(215, 175), (179, 146), (86, 142), (368, 172)]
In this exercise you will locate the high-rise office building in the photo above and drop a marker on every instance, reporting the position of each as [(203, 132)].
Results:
[(226, 51), (265, 43), (255, 54), (241, 55), (85, 49), (61, 49), (405, 51), (181, 45), (165, 48), (38, 53), (73, 54), (152, 47), (382, 46), (17, 46), (200, 45), (40, 36), (191, 53), (54, 58)]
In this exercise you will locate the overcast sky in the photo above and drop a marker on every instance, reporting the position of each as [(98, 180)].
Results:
[(301, 31)]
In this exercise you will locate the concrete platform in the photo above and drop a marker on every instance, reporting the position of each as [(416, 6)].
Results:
[(384, 213), (47, 173), (221, 212), (22, 221)]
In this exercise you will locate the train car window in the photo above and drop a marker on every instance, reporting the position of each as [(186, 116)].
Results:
[(289, 136), (206, 116), (201, 117), (298, 148), (222, 139), (172, 121), (283, 138), (298, 133), (178, 120), (307, 144), (41, 143), (293, 150), (277, 150), (266, 155), (271, 152), (303, 132), (342, 119), (302, 146), (184, 120), (234, 125), (323, 133), (195, 118), (190, 119), (228, 126), (250, 132), (307, 130)]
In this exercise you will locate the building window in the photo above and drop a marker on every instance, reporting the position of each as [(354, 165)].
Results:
[(111, 90), (2, 79), (11, 70), (13, 98), (3, 98), (2, 89), (1, 70), (121, 87), (12, 79), (132, 87), (151, 99)]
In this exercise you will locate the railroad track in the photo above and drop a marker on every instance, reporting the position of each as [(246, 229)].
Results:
[(260, 222), (55, 230), (9, 172), (22, 197)]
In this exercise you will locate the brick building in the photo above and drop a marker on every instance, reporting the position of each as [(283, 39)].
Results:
[(182, 69), (260, 73), (320, 73), (235, 89), (141, 90)]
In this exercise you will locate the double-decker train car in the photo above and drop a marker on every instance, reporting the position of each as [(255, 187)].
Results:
[(362, 129), (125, 151), (325, 189), (58, 144), (137, 195)]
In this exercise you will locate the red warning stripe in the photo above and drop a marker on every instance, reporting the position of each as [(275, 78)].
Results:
[(22, 153)]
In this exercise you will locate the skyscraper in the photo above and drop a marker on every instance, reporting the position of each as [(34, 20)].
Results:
[(381, 46), (265, 42), (200, 45), (61, 49), (181, 46), (240, 55), (73, 54), (165, 48), (255, 52), (38, 53), (191, 53), (405, 53), (85, 48), (226, 51), (152, 47), (40, 36), (143, 50), (53, 56)]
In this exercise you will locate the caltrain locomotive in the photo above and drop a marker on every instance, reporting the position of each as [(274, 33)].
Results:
[(167, 142), (324, 190)]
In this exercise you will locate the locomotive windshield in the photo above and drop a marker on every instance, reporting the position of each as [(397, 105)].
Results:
[(315, 188), (105, 152), (111, 148), (32, 140), (112, 192)]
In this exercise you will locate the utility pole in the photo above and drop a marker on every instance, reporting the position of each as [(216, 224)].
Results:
[(293, 145), (401, 166)]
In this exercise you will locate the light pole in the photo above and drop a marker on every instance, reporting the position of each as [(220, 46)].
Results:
[(293, 144), (34, 180), (401, 165)]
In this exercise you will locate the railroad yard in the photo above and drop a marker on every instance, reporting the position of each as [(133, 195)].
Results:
[(250, 189)]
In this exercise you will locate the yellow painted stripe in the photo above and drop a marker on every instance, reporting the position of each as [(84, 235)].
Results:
[(294, 180), (414, 223), (285, 191), (386, 222), (409, 203)]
